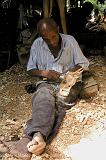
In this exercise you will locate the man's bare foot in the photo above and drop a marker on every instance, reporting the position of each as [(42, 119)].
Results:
[(37, 145)]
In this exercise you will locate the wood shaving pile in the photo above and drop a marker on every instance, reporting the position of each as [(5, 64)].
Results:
[(86, 119)]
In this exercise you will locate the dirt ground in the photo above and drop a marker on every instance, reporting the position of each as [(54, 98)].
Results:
[(86, 118)]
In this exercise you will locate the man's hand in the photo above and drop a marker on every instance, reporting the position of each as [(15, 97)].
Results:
[(71, 77), (46, 74), (51, 74)]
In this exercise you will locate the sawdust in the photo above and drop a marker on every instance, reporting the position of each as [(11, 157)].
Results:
[(15, 110)]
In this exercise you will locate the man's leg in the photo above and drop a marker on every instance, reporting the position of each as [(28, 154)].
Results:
[(38, 128), (43, 117)]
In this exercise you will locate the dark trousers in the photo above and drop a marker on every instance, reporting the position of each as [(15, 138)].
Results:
[(46, 115)]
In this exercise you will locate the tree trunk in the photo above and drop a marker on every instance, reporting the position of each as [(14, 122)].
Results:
[(61, 4), (47, 9)]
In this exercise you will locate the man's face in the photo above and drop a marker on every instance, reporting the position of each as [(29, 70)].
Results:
[(51, 38)]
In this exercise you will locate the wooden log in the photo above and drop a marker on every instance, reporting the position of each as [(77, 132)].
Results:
[(46, 8), (50, 7), (90, 88), (61, 4)]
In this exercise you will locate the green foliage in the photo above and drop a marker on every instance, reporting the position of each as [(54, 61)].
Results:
[(101, 7), (94, 2)]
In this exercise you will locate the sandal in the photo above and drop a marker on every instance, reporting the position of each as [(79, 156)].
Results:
[(18, 149), (3, 147)]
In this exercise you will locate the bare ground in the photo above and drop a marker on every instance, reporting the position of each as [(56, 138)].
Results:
[(87, 117)]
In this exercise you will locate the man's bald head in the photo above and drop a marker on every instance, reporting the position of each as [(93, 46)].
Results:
[(47, 24)]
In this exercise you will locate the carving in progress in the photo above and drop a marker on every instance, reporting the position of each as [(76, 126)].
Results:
[(69, 80)]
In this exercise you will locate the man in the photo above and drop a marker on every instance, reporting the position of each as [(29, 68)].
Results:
[(51, 55)]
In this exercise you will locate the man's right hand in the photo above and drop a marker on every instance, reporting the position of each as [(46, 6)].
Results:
[(51, 74), (47, 74)]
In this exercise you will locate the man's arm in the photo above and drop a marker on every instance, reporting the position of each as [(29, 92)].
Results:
[(49, 74)]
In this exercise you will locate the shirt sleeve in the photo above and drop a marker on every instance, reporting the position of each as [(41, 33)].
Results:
[(32, 62), (79, 58)]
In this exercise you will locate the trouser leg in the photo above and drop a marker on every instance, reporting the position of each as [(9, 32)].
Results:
[(43, 112)]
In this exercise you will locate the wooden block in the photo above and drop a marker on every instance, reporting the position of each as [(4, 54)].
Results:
[(90, 88)]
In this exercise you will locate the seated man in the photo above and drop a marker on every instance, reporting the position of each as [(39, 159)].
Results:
[(51, 55)]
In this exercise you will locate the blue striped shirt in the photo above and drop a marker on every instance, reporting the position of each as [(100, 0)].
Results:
[(69, 55)]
